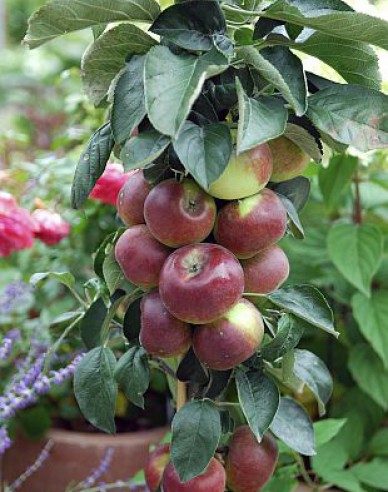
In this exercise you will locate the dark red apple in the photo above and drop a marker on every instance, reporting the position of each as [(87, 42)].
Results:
[(266, 271), (179, 213), (201, 282), (141, 256), (249, 225), (212, 480), (130, 202), (155, 466), (249, 464), (230, 340), (161, 334)]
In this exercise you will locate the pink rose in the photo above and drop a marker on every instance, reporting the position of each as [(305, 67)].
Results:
[(50, 227), (108, 186)]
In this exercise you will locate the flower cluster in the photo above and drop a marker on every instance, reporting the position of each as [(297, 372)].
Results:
[(108, 186), (8, 343), (98, 472), (14, 295)]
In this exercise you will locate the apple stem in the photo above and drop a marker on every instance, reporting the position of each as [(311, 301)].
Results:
[(181, 395)]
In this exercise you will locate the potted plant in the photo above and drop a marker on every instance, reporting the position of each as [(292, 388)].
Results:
[(219, 118)]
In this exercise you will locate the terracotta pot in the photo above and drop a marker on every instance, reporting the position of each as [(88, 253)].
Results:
[(74, 455)]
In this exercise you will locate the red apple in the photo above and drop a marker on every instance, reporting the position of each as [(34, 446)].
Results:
[(179, 213), (266, 271), (289, 160), (201, 282), (130, 202), (155, 466), (230, 340), (249, 225), (249, 464), (212, 480), (141, 256), (161, 334)]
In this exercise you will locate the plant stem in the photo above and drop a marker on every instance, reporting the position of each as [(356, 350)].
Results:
[(78, 297), (357, 216), (303, 471), (230, 8)]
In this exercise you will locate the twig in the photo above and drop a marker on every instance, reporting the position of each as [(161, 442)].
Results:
[(357, 216)]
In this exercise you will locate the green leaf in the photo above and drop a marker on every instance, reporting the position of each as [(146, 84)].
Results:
[(132, 321), (113, 275), (369, 373), (378, 445), (190, 370), (307, 303), (326, 430), (91, 164), (173, 83), (336, 177), (315, 375), (374, 473), (60, 17), (295, 223), (356, 251), (192, 26), (104, 59), (260, 119), (92, 322), (196, 431), (95, 388), (297, 190), (371, 315), (204, 151), (259, 399), (143, 149), (352, 115), (293, 426), (282, 69), (345, 479), (305, 140), (286, 483), (133, 375), (64, 278), (289, 333)]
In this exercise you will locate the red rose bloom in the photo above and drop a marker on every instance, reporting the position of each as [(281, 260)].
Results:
[(50, 227), (108, 186)]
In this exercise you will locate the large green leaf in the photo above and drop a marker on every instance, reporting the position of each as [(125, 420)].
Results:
[(91, 164), (143, 149), (64, 278), (259, 399), (114, 276), (196, 432), (325, 430), (173, 83), (336, 177), (260, 119), (351, 114), (104, 59), (204, 151), (289, 333), (374, 473), (372, 318), (369, 373), (133, 374), (60, 17), (305, 140), (356, 251), (92, 322), (378, 446), (95, 388), (281, 68)]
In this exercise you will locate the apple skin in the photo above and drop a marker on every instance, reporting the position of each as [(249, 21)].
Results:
[(130, 202), (245, 175), (201, 282), (212, 480), (141, 256), (230, 340), (246, 226), (266, 271), (179, 213), (155, 466), (161, 334), (289, 160), (249, 464)]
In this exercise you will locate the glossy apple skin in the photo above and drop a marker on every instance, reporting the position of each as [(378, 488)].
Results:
[(246, 226), (289, 160), (201, 282), (213, 480), (130, 202), (155, 466), (266, 271), (230, 340), (179, 213), (249, 464), (245, 175), (141, 256), (161, 334)]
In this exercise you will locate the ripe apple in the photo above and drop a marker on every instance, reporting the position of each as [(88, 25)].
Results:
[(155, 466), (212, 480), (249, 464), (130, 202), (141, 256), (245, 175), (266, 271), (230, 340), (161, 334), (246, 226), (179, 213), (201, 282), (289, 160)]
